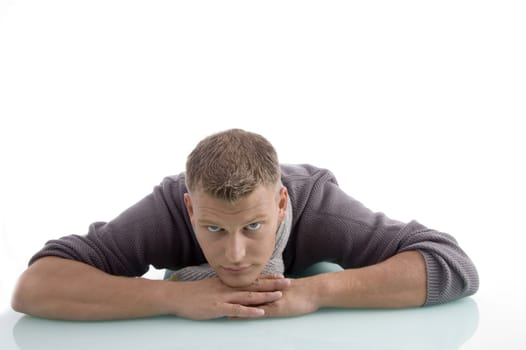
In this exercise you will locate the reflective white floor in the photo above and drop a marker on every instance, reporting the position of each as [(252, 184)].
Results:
[(445, 327)]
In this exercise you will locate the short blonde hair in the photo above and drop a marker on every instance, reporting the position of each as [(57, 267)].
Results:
[(231, 164)]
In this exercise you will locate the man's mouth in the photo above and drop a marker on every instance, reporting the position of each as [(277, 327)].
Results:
[(236, 269)]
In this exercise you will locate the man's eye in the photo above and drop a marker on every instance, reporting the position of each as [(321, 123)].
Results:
[(213, 228), (254, 226)]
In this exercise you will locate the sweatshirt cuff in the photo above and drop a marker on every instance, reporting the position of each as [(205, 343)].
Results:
[(433, 286)]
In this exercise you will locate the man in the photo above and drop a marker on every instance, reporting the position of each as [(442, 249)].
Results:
[(229, 228)]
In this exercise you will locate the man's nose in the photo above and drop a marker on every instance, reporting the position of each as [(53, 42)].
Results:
[(235, 249)]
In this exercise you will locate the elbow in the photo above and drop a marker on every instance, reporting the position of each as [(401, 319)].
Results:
[(467, 276), (20, 299), (17, 303), (449, 280), (472, 281), (26, 294)]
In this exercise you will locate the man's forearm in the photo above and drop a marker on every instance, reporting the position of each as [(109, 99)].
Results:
[(399, 281), (65, 289)]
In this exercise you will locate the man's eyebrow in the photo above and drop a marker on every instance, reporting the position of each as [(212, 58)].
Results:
[(214, 222), (206, 221), (257, 218)]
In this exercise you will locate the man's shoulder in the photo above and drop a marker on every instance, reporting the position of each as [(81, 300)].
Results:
[(305, 173), (305, 182), (174, 180)]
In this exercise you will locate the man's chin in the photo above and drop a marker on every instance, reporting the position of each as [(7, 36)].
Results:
[(238, 281)]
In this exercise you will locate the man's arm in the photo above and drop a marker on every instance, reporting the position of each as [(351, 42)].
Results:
[(399, 281), (335, 227), (66, 289)]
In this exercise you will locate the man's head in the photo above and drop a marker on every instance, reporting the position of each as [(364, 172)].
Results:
[(231, 164), (235, 202)]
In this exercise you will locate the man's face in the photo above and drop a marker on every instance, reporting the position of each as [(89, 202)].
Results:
[(237, 238)]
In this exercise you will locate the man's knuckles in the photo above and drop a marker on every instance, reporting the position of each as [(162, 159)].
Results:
[(270, 285)]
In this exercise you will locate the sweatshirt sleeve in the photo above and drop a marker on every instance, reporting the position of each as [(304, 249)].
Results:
[(337, 228), (155, 231)]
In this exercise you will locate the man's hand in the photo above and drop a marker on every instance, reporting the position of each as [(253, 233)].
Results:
[(211, 298), (299, 298)]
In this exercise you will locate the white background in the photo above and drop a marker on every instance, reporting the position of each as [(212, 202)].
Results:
[(416, 106)]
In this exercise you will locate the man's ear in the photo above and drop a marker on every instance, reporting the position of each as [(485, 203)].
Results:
[(188, 205), (283, 202)]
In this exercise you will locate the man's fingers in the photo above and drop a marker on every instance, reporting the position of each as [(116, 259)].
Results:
[(269, 284), (237, 311), (269, 310), (255, 298), (243, 305), (272, 276)]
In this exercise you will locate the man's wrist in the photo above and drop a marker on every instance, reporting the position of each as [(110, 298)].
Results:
[(160, 295), (319, 289)]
